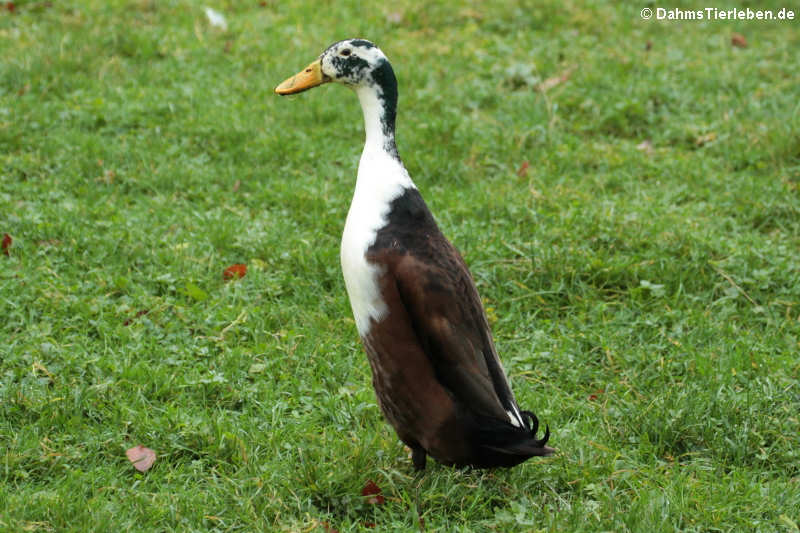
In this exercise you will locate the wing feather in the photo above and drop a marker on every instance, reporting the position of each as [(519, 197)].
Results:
[(448, 318)]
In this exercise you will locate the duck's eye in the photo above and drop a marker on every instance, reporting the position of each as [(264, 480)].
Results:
[(345, 52)]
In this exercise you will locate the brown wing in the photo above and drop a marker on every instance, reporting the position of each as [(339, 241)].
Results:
[(448, 318)]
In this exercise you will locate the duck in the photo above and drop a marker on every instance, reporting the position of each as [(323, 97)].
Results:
[(437, 376)]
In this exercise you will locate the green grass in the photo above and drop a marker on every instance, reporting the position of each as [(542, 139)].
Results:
[(646, 303)]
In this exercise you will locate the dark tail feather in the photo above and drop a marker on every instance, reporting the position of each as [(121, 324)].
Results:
[(533, 422), (505, 445)]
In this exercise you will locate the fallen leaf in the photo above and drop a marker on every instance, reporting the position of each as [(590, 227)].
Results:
[(38, 367), (369, 524), (593, 397), (549, 83), (395, 17), (141, 457), (7, 240), (523, 169), (705, 139), (645, 146), (10, 6), (107, 177), (738, 40), (138, 314), (234, 271), (216, 19), (327, 527), (372, 492)]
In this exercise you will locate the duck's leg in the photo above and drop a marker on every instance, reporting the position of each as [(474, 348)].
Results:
[(418, 457)]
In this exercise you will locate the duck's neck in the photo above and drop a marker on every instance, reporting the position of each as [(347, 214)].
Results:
[(379, 104)]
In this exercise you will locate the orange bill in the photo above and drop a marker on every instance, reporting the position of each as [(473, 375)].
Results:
[(309, 77)]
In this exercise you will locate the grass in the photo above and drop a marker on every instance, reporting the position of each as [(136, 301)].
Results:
[(645, 298)]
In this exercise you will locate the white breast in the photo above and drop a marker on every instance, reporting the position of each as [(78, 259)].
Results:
[(381, 179)]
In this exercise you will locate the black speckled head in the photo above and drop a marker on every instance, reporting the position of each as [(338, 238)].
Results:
[(352, 62), (358, 63)]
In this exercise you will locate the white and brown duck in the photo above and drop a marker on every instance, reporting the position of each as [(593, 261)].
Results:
[(436, 373)]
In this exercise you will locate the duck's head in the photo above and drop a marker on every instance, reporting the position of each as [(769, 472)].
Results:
[(352, 62)]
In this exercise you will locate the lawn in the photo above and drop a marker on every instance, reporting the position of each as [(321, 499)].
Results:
[(625, 191)]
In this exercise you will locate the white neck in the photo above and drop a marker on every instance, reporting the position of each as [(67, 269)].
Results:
[(381, 179), (380, 165), (372, 107)]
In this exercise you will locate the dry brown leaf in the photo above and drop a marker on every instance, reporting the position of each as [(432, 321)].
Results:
[(596, 395), (372, 492), (738, 40), (327, 527), (523, 169), (141, 457), (549, 83)]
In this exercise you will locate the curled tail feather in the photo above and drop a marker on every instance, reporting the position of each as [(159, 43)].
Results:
[(505, 445)]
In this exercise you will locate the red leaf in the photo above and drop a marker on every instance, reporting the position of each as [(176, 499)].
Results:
[(141, 457), (234, 271), (738, 40), (594, 397), (10, 6), (369, 524), (7, 240), (328, 528), (523, 169), (373, 493)]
